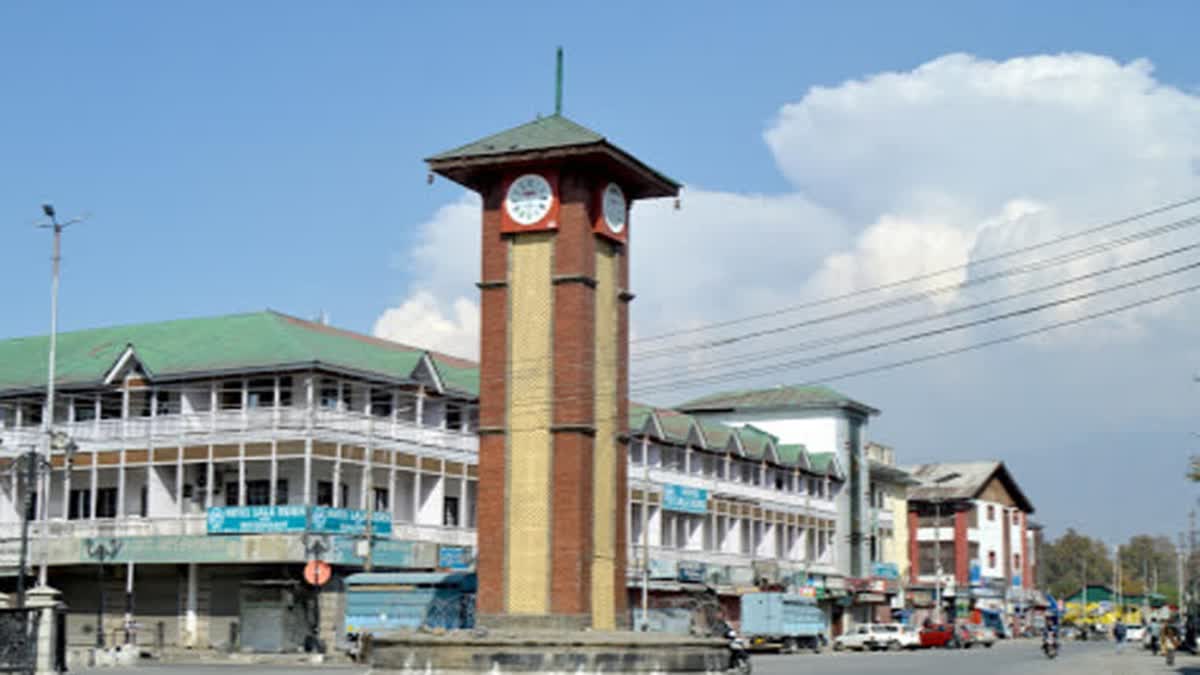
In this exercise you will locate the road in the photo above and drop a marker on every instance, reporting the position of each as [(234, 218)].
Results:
[(1006, 658)]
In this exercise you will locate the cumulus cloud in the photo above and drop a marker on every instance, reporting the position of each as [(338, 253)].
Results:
[(420, 321), (895, 175)]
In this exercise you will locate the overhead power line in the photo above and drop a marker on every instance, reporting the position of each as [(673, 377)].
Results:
[(921, 277)]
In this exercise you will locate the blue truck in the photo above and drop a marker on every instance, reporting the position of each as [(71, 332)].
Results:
[(788, 621)]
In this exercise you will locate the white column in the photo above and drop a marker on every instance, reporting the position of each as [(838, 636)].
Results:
[(310, 411), (124, 444), (190, 618), (420, 406), (337, 479), (66, 499)]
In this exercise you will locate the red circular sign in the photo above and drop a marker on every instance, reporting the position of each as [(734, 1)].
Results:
[(317, 572)]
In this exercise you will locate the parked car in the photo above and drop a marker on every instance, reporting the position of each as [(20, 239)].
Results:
[(980, 635), (1134, 632), (909, 638), (870, 636), (940, 635)]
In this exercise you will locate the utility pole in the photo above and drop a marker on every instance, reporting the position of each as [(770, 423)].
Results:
[(1179, 574), (48, 416)]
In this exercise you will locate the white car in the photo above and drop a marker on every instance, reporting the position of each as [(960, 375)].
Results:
[(910, 638), (869, 636), (1134, 633)]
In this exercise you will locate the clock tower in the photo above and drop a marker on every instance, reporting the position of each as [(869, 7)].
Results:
[(554, 287)]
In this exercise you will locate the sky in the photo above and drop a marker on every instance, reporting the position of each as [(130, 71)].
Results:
[(239, 156)]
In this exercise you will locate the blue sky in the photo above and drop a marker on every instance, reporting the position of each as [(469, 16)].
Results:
[(236, 156)]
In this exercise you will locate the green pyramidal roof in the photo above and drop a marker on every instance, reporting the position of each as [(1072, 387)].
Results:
[(550, 138), (228, 343), (786, 397), (543, 133)]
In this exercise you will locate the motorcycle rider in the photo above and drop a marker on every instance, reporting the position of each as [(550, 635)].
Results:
[(1050, 634)]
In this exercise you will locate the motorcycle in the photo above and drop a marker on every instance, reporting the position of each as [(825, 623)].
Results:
[(739, 655), (1050, 646)]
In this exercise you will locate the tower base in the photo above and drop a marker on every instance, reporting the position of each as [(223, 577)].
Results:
[(574, 652)]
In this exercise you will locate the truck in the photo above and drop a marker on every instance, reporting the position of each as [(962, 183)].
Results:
[(787, 621)]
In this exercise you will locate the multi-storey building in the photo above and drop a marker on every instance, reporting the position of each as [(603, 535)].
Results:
[(887, 497), (221, 452), (969, 538)]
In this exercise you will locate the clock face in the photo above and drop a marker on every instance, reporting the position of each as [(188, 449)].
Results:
[(529, 199), (614, 206)]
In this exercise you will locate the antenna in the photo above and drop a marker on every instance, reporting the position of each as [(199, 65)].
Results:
[(558, 82)]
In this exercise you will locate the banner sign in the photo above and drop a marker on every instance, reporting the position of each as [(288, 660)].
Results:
[(329, 520), (295, 519), (685, 499), (885, 570), (256, 519), (976, 572), (691, 571), (454, 557)]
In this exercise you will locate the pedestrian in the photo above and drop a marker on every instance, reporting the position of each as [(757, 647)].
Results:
[(1119, 635)]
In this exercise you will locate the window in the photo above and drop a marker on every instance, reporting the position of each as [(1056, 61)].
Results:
[(230, 395), (285, 390), (106, 502), (79, 505), (281, 492), (382, 503), (258, 492), (780, 480), (231, 494), (991, 513), (261, 393), (329, 394), (325, 493), (85, 408), (31, 414), (1017, 562), (1016, 518), (144, 502), (991, 559), (450, 512), (110, 406), (454, 417), (381, 403)]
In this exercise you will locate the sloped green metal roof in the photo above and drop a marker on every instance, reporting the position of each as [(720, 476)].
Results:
[(543, 133), (205, 345), (791, 453), (678, 427), (776, 397), (821, 461), (755, 441), (638, 414)]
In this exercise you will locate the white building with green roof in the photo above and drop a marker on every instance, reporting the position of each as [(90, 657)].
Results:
[(215, 449)]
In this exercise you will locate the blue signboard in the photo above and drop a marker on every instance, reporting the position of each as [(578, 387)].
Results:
[(885, 570), (454, 557), (691, 571), (685, 499), (256, 519), (329, 520), (1016, 580), (287, 519), (975, 575)]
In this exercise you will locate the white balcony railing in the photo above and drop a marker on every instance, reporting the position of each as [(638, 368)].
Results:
[(264, 423), (758, 493)]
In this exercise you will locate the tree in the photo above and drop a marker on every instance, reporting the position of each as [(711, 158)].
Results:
[(1146, 559), (1066, 558)]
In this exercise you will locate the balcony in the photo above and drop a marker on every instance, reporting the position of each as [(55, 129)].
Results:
[(255, 425), (722, 487)]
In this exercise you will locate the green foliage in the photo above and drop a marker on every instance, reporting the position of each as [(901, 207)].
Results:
[(1066, 560)]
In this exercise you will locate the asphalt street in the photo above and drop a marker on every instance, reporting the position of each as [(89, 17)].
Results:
[(1020, 657)]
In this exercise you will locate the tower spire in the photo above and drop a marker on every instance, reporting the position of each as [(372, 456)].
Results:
[(558, 82)]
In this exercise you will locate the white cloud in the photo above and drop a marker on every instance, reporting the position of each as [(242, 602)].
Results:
[(420, 321), (894, 175)]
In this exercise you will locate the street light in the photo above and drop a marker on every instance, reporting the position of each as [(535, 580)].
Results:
[(28, 465), (100, 551)]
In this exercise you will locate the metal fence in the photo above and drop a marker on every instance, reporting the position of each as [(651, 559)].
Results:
[(451, 613), (18, 640)]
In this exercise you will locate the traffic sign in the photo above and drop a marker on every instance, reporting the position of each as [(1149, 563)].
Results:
[(317, 572)]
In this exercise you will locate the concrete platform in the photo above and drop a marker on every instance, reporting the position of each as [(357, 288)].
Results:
[(546, 652)]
